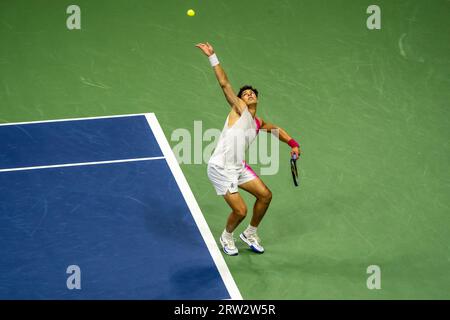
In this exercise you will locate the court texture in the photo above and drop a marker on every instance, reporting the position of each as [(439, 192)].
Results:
[(91, 194)]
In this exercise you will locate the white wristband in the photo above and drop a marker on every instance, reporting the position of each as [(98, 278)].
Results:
[(213, 60)]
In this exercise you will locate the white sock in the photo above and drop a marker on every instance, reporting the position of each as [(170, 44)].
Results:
[(226, 235), (250, 230)]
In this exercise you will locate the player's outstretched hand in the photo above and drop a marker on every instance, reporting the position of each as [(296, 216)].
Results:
[(296, 151), (206, 48)]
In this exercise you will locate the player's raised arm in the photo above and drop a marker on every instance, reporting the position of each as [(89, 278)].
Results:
[(236, 103)]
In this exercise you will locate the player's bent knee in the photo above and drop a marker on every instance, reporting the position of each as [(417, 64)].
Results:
[(266, 196), (241, 211)]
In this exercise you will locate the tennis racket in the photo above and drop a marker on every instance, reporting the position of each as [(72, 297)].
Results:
[(294, 170)]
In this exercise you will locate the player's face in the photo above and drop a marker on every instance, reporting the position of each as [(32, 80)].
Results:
[(249, 97)]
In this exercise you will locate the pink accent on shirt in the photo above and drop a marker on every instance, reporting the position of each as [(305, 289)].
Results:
[(258, 125)]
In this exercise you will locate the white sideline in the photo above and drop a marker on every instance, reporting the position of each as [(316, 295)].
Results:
[(194, 208)]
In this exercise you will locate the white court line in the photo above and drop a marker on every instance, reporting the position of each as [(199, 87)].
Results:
[(73, 119), (199, 219), (80, 164)]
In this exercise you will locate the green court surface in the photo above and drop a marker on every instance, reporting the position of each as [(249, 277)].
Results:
[(369, 107)]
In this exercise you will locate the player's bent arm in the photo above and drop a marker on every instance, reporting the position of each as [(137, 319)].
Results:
[(282, 135), (236, 103), (269, 127)]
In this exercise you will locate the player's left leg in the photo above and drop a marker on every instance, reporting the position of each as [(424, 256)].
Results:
[(263, 197)]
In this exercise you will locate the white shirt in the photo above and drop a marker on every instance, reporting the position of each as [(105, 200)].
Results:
[(234, 142)]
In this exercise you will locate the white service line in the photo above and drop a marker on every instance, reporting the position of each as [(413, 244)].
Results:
[(80, 164), (199, 219)]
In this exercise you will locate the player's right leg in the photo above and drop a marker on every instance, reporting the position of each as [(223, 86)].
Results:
[(238, 213), (239, 210), (226, 185)]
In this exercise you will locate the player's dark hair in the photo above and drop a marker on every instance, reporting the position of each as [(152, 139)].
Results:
[(246, 87)]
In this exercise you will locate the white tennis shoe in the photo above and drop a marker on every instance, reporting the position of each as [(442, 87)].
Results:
[(253, 242), (228, 246)]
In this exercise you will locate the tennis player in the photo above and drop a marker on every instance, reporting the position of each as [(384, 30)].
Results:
[(227, 168)]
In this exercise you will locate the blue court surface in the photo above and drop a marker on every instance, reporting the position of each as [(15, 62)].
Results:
[(98, 208)]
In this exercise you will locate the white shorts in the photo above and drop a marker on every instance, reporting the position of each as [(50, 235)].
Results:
[(224, 179)]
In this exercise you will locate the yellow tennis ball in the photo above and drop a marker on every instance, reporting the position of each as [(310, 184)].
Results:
[(191, 13)]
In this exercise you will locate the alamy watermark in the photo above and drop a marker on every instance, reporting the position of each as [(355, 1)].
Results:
[(198, 148), (74, 280), (374, 280), (373, 22), (73, 22)]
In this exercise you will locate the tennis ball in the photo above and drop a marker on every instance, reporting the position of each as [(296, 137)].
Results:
[(190, 13)]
